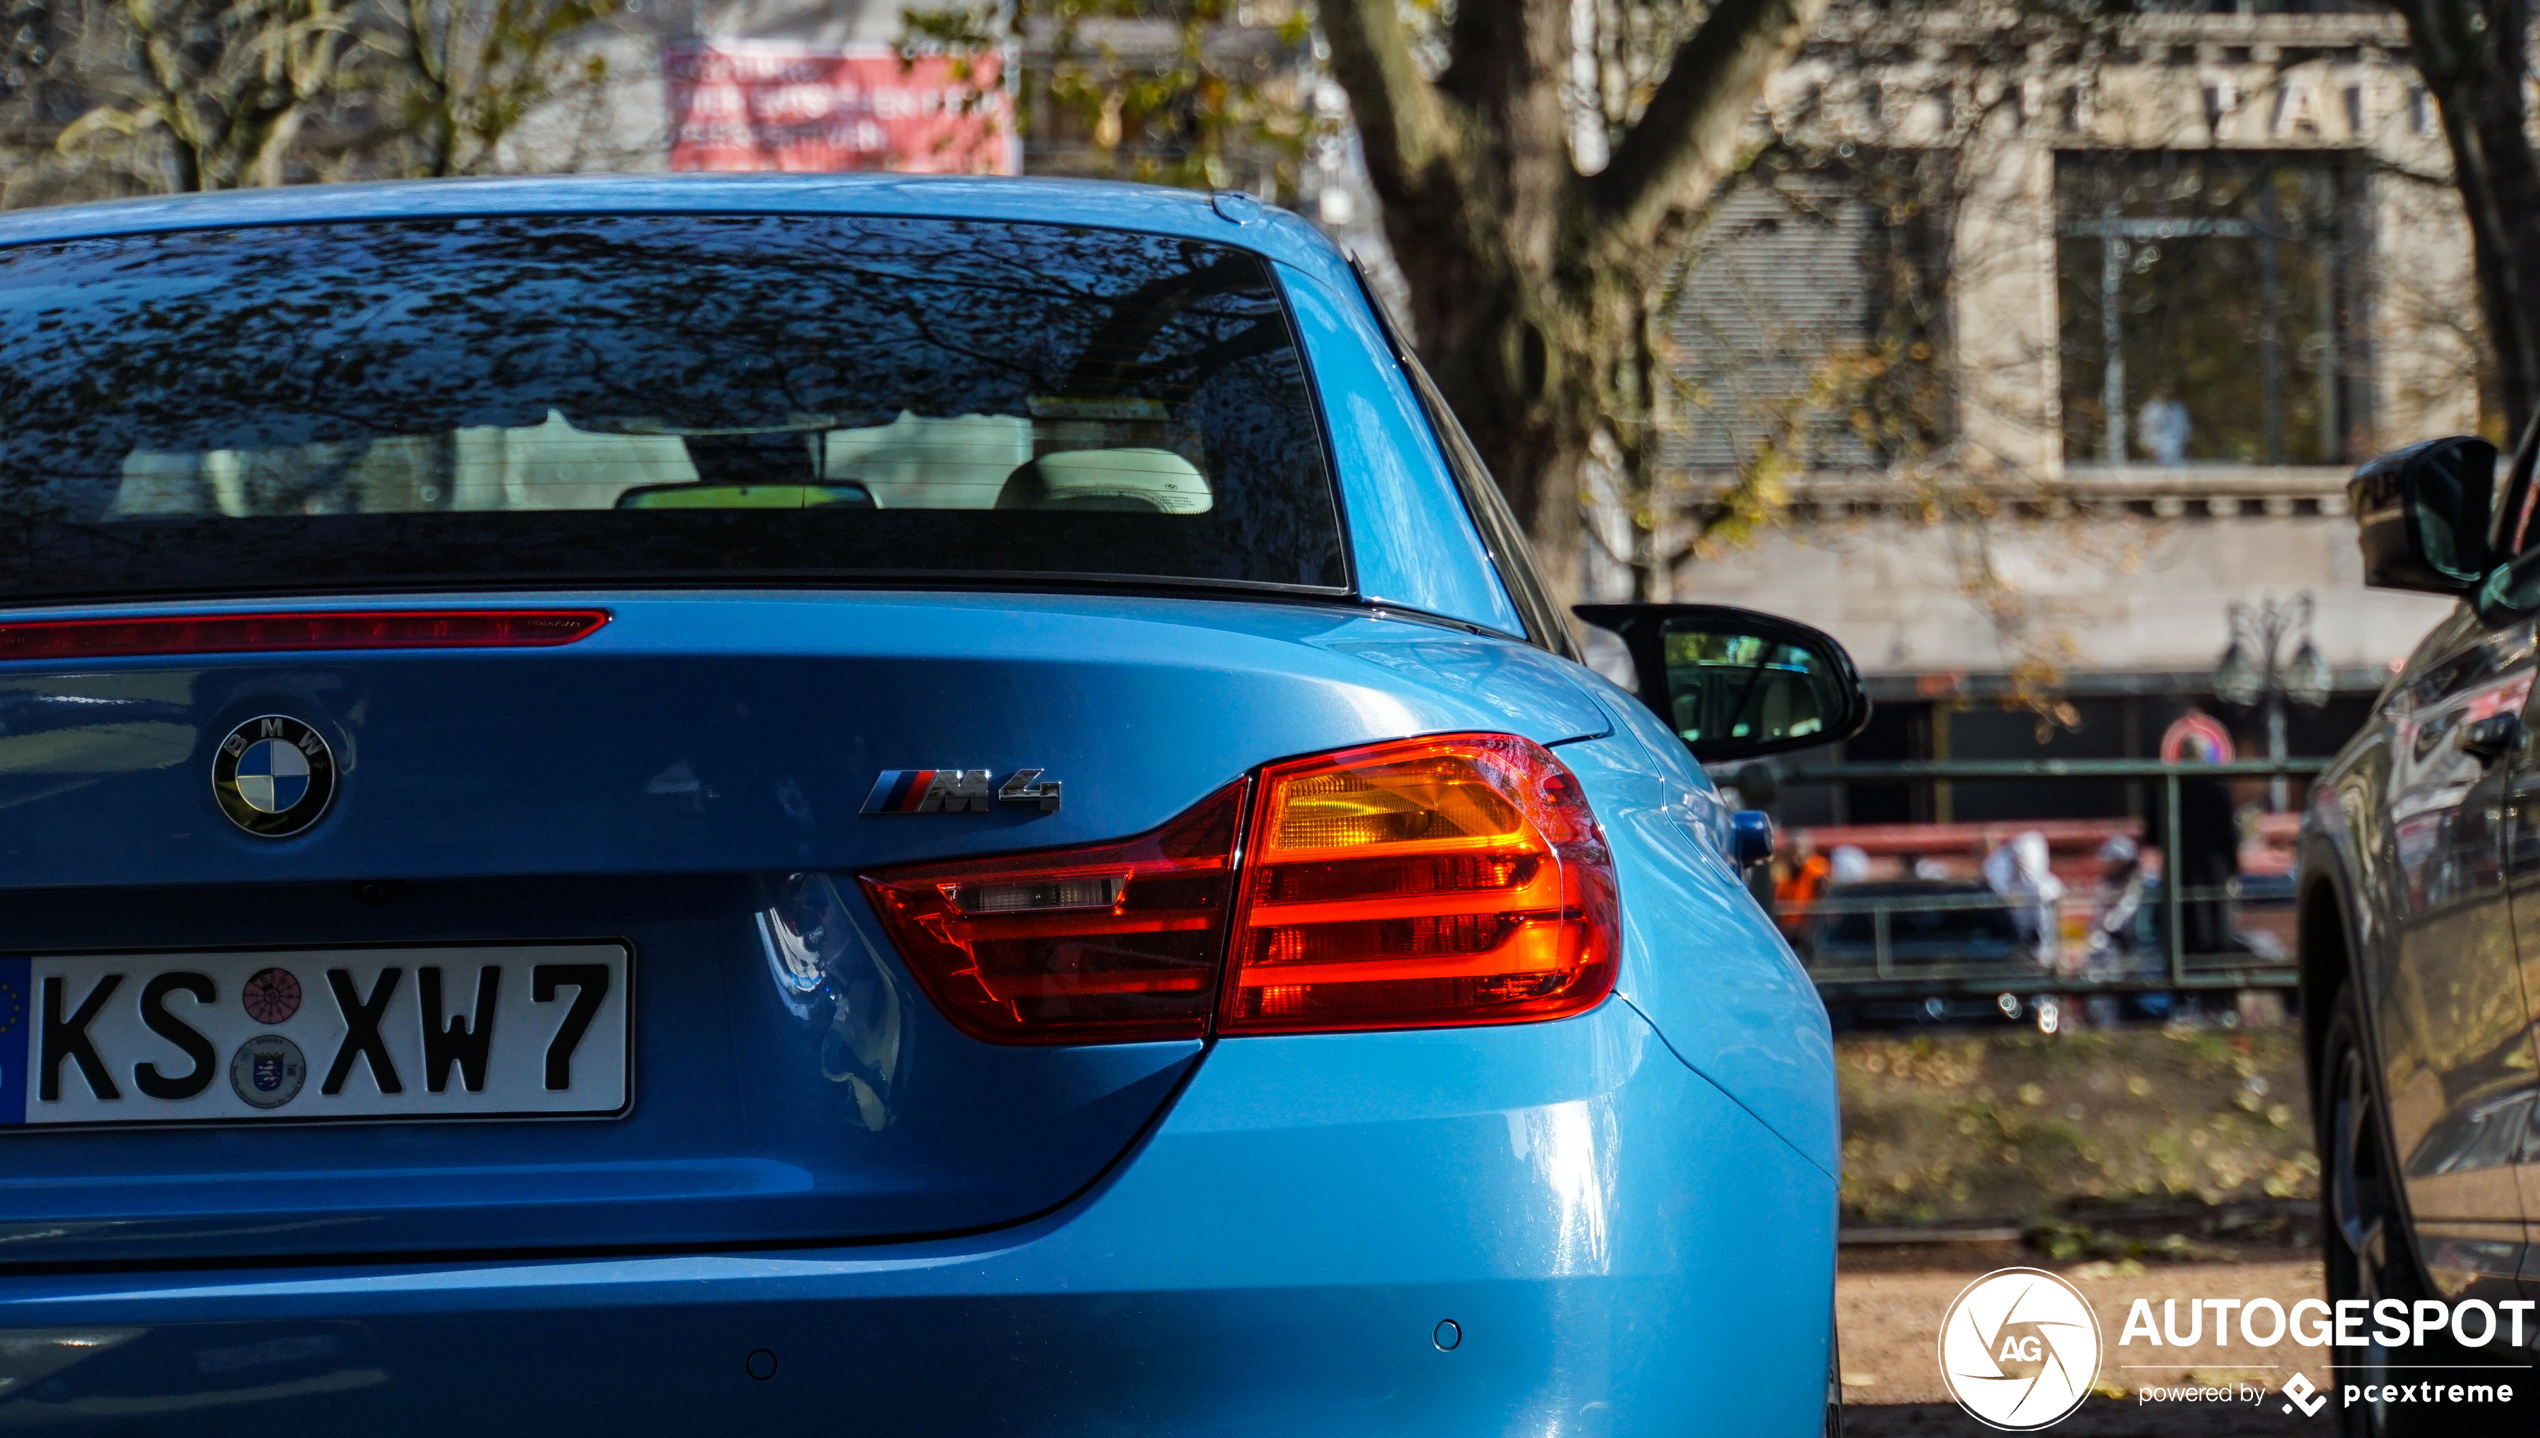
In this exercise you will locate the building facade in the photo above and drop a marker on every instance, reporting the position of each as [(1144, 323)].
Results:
[(2062, 346)]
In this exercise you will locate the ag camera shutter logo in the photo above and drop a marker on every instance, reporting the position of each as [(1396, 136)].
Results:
[(2019, 1349)]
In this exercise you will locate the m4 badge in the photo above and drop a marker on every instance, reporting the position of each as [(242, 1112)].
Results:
[(957, 791)]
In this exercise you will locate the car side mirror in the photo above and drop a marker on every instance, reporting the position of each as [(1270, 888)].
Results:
[(2421, 515), (1733, 683)]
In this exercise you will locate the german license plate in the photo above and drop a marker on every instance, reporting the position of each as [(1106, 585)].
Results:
[(344, 1034)]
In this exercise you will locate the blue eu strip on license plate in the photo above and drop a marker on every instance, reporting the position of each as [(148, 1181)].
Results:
[(364, 1035)]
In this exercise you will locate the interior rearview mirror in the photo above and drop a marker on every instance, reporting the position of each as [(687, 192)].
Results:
[(1733, 683), (2421, 515)]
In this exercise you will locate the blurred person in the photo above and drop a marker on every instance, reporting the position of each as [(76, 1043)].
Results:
[(2203, 856), (2164, 427), (1798, 884), (2019, 871), (1848, 864), (2116, 945), (1756, 786)]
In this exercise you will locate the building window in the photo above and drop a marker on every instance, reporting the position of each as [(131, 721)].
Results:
[(2210, 307), (1809, 317)]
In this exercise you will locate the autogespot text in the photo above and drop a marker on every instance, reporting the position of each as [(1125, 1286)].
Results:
[(2313, 1322), (2393, 1323)]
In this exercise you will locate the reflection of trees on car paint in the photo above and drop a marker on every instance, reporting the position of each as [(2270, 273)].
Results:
[(555, 363)]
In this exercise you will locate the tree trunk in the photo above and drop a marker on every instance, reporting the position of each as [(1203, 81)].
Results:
[(2470, 53), (1530, 282)]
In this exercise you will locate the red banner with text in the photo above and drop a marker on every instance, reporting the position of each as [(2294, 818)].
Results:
[(782, 105)]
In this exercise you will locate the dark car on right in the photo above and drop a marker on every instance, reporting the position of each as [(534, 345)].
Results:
[(2419, 892)]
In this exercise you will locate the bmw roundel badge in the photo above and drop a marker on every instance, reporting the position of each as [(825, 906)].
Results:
[(274, 776)]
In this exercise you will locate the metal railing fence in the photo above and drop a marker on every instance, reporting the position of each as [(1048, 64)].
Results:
[(1979, 959)]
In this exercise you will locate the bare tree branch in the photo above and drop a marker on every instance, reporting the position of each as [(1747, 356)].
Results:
[(1687, 138)]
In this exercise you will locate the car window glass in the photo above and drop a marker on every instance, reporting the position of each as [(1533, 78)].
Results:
[(1501, 533), (652, 397)]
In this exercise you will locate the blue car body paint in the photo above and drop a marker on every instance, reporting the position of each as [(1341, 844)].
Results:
[(1628, 1215)]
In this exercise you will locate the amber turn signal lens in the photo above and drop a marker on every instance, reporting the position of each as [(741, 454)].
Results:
[(1105, 944), (1459, 879)]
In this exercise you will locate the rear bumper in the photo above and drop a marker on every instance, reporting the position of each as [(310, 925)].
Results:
[(1623, 1248)]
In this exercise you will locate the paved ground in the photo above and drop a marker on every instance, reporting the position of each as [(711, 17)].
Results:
[(1891, 1304)]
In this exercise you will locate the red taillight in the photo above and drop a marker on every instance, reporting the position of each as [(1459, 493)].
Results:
[(1431, 882), (319, 629), (1453, 880), (1097, 945)]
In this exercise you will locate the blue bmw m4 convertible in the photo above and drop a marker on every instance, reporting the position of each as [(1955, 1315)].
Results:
[(851, 805)]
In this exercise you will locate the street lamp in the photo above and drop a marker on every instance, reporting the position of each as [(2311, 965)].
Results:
[(2249, 672)]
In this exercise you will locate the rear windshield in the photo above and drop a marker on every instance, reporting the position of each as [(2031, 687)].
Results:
[(571, 399)]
